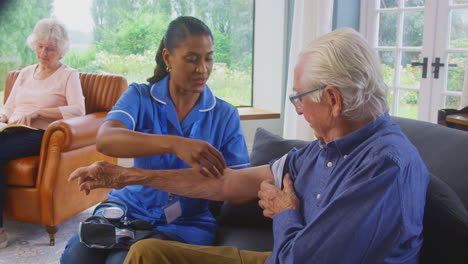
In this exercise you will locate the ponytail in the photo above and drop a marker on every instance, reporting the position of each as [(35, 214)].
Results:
[(160, 71)]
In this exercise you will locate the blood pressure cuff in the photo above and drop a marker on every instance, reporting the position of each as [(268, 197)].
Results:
[(98, 235), (97, 232)]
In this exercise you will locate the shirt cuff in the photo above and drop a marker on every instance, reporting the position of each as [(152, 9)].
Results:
[(70, 111), (5, 112), (239, 166), (277, 169)]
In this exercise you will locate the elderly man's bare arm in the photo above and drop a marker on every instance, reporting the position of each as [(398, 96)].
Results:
[(235, 186)]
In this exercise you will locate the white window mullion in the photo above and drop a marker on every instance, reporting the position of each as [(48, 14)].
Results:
[(439, 46), (426, 52), (398, 58)]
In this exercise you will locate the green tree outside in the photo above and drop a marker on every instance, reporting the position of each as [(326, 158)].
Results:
[(17, 20), (127, 34)]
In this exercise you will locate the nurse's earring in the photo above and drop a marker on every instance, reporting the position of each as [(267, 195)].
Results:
[(168, 69)]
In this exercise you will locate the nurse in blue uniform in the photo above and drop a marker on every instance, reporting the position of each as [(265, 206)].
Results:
[(172, 122)]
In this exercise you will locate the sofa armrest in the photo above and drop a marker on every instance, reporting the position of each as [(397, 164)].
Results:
[(77, 132), (443, 113), (64, 136), (67, 145)]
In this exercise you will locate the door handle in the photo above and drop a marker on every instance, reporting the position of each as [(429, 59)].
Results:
[(437, 64), (424, 67)]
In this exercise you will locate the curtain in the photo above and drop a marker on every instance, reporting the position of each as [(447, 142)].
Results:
[(464, 97), (311, 19)]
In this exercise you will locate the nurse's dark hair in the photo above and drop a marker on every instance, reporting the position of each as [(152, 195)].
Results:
[(176, 32)]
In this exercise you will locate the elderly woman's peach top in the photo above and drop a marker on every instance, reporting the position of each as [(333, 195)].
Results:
[(60, 90)]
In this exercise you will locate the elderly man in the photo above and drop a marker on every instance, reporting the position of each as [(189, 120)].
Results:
[(355, 195)]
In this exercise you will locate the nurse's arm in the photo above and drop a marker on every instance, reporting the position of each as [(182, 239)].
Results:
[(116, 140)]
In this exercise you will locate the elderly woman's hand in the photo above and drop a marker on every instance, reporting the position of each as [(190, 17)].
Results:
[(3, 118), (198, 152), (101, 174), (27, 119)]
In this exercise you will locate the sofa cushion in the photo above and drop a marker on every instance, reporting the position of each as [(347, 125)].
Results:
[(266, 147), (445, 225), (245, 238), (443, 150), (245, 226), (246, 215)]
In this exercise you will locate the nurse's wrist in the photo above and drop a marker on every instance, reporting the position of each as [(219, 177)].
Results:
[(169, 144)]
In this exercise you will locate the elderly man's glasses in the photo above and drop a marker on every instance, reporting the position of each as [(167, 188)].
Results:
[(296, 99)]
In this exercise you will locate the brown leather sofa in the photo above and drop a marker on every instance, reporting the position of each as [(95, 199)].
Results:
[(37, 188)]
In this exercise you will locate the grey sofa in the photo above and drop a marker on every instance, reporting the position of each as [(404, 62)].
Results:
[(445, 232)]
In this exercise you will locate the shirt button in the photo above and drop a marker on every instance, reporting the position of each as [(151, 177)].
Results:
[(345, 156), (318, 196), (329, 164)]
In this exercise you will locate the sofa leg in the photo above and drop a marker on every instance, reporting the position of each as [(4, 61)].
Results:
[(51, 230)]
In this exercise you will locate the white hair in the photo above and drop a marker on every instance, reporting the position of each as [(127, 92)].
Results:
[(344, 59), (50, 29)]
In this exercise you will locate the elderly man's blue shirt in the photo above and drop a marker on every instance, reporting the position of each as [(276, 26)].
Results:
[(361, 200), (139, 109)]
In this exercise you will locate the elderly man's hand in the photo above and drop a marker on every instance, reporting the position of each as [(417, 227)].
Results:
[(100, 174), (273, 200)]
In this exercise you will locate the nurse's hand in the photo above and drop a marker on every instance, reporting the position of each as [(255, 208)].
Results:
[(198, 153)]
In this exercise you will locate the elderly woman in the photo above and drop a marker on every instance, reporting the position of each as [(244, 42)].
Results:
[(43, 93)]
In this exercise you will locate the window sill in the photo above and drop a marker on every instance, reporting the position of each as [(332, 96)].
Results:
[(252, 113)]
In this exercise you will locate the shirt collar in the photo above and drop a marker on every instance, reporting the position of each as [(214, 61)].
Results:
[(160, 93), (349, 142)]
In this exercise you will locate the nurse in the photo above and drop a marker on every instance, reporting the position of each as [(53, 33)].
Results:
[(172, 122)]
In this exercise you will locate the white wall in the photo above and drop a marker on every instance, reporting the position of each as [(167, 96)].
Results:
[(269, 64)]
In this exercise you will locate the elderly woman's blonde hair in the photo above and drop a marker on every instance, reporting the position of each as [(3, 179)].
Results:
[(50, 29), (345, 60)]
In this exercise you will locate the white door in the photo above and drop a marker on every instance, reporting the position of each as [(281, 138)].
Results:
[(423, 47)]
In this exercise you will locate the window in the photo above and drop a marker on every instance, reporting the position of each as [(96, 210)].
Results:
[(121, 37), (423, 47)]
